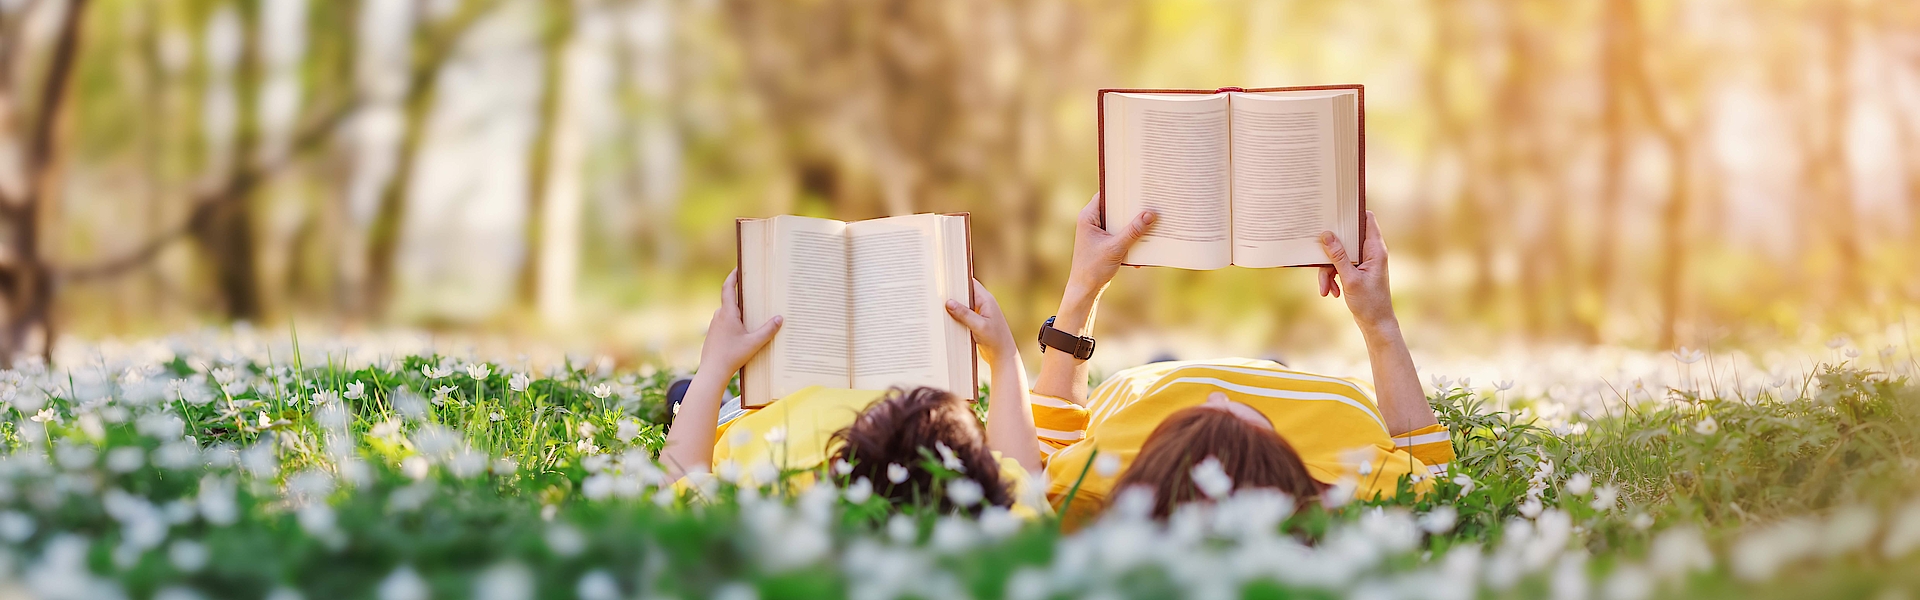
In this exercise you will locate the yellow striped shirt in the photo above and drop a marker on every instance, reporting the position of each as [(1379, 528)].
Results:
[(1334, 423)]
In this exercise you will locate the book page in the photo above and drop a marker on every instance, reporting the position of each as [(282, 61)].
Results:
[(809, 285), (899, 317), (1169, 153), (956, 283), (1286, 177), (756, 306)]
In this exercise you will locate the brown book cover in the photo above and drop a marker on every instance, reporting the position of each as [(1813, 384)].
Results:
[(1100, 111), (740, 299)]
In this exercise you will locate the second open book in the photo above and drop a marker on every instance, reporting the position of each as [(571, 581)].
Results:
[(1248, 178), (863, 303)]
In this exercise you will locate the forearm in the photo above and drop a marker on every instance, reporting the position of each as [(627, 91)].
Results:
[(689, 444), (1062, 375), (1010, 429), (1396, 382)]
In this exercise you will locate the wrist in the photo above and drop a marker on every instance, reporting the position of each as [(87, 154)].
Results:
[(1075, 314), (1380, 329), (709, 379)]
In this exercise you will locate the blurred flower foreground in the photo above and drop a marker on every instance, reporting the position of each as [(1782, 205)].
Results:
[(233, 465)]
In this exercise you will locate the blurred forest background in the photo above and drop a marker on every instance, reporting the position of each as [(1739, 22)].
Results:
[(1638, 172)]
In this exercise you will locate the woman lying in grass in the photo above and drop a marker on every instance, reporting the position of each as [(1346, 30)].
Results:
[(883, 439), (1192, 430)]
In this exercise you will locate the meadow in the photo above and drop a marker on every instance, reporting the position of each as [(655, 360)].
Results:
[(244, 466)]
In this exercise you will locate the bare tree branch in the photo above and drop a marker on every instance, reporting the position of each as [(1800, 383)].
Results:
[(209, 202)]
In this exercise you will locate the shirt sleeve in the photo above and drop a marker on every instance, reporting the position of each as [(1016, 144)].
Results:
[(1431, 445), (1058, 423)]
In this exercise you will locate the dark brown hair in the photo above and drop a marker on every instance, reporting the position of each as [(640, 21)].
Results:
[(1254, 457), (902, 429)]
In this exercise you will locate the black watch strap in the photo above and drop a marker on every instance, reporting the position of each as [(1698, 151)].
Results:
[(1080, 347)]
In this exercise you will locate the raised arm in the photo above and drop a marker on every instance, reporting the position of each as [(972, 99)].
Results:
[(728, 347), (1009, 412), (1097, 254), (1395, 381)]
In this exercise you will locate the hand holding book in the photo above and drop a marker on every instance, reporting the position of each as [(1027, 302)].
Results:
[(729, 343)]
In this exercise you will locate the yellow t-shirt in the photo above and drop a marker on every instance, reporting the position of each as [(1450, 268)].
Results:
[(793, 434), (1334, 424)]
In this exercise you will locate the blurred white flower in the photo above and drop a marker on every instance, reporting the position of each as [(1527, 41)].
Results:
[(1706, 426), (947, 459), (628, 430), (387, 429), (1888, 352), (965, 492), (1440, 520), (15, 527), (1604, 497), (1211, 478), (841, 467), (479, 371), (1837, 342), (46, 415), (504, 581), (1689, 355), (601, 391), (325, 397), (435, 373), (598, 585), (187, 555), (414, 467), (1107, 465), (1853, 353), (776, 435), (1503, 385), (404, 584), (859, 491), (896, 473), (565, 541), (519, 382), (1531, 508), (496, 417), (1439, 382), (1641, 521), (1466, 383), (1579, 484), (901, 529), (355, 391)]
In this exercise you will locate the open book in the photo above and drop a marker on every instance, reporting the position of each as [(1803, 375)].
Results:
[(864, 303), (1238, 177)]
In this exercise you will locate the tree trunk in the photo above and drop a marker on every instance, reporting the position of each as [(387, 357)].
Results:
[(227, 235), (1618, 37), (26, 281), (540, 160)]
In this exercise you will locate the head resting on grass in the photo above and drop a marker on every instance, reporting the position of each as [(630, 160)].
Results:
[(1250, 453), (907, 430)]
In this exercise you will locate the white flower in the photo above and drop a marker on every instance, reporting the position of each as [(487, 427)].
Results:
[(1706, 426), (404, 584), (1579, 484), (46, 415), (947, 458), (1887, 352), (1465, 483), (859, 491), (1212, 479), (325, 397), (1688, 355), (901, 529), (440, 393), (1503, 385), (1853, 353), (1107, 465), (1604, 497), (587, 429), (519, 382), (1466, 383), (896, 473), (496, 417), (355, 391), (1440, 521), (597, 585), (965, 492), (776, 435), (628, 430), (435, 373), (1837, 342), (1531, 508), (1439, 382), (1642, 521), (385, 429), (479, 371), (602, 391), (414, 467), (841, 467)]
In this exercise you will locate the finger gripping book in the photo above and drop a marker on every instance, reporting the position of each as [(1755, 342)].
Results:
[(863, 303), (1237, 177)]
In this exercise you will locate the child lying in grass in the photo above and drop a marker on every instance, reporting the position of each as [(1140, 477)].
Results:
[(883, 439), (1196, 430)]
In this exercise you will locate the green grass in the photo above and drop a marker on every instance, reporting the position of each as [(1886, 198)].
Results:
[(456, 484)]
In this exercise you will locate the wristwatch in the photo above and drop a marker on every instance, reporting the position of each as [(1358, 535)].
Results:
[(1080, 347)]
